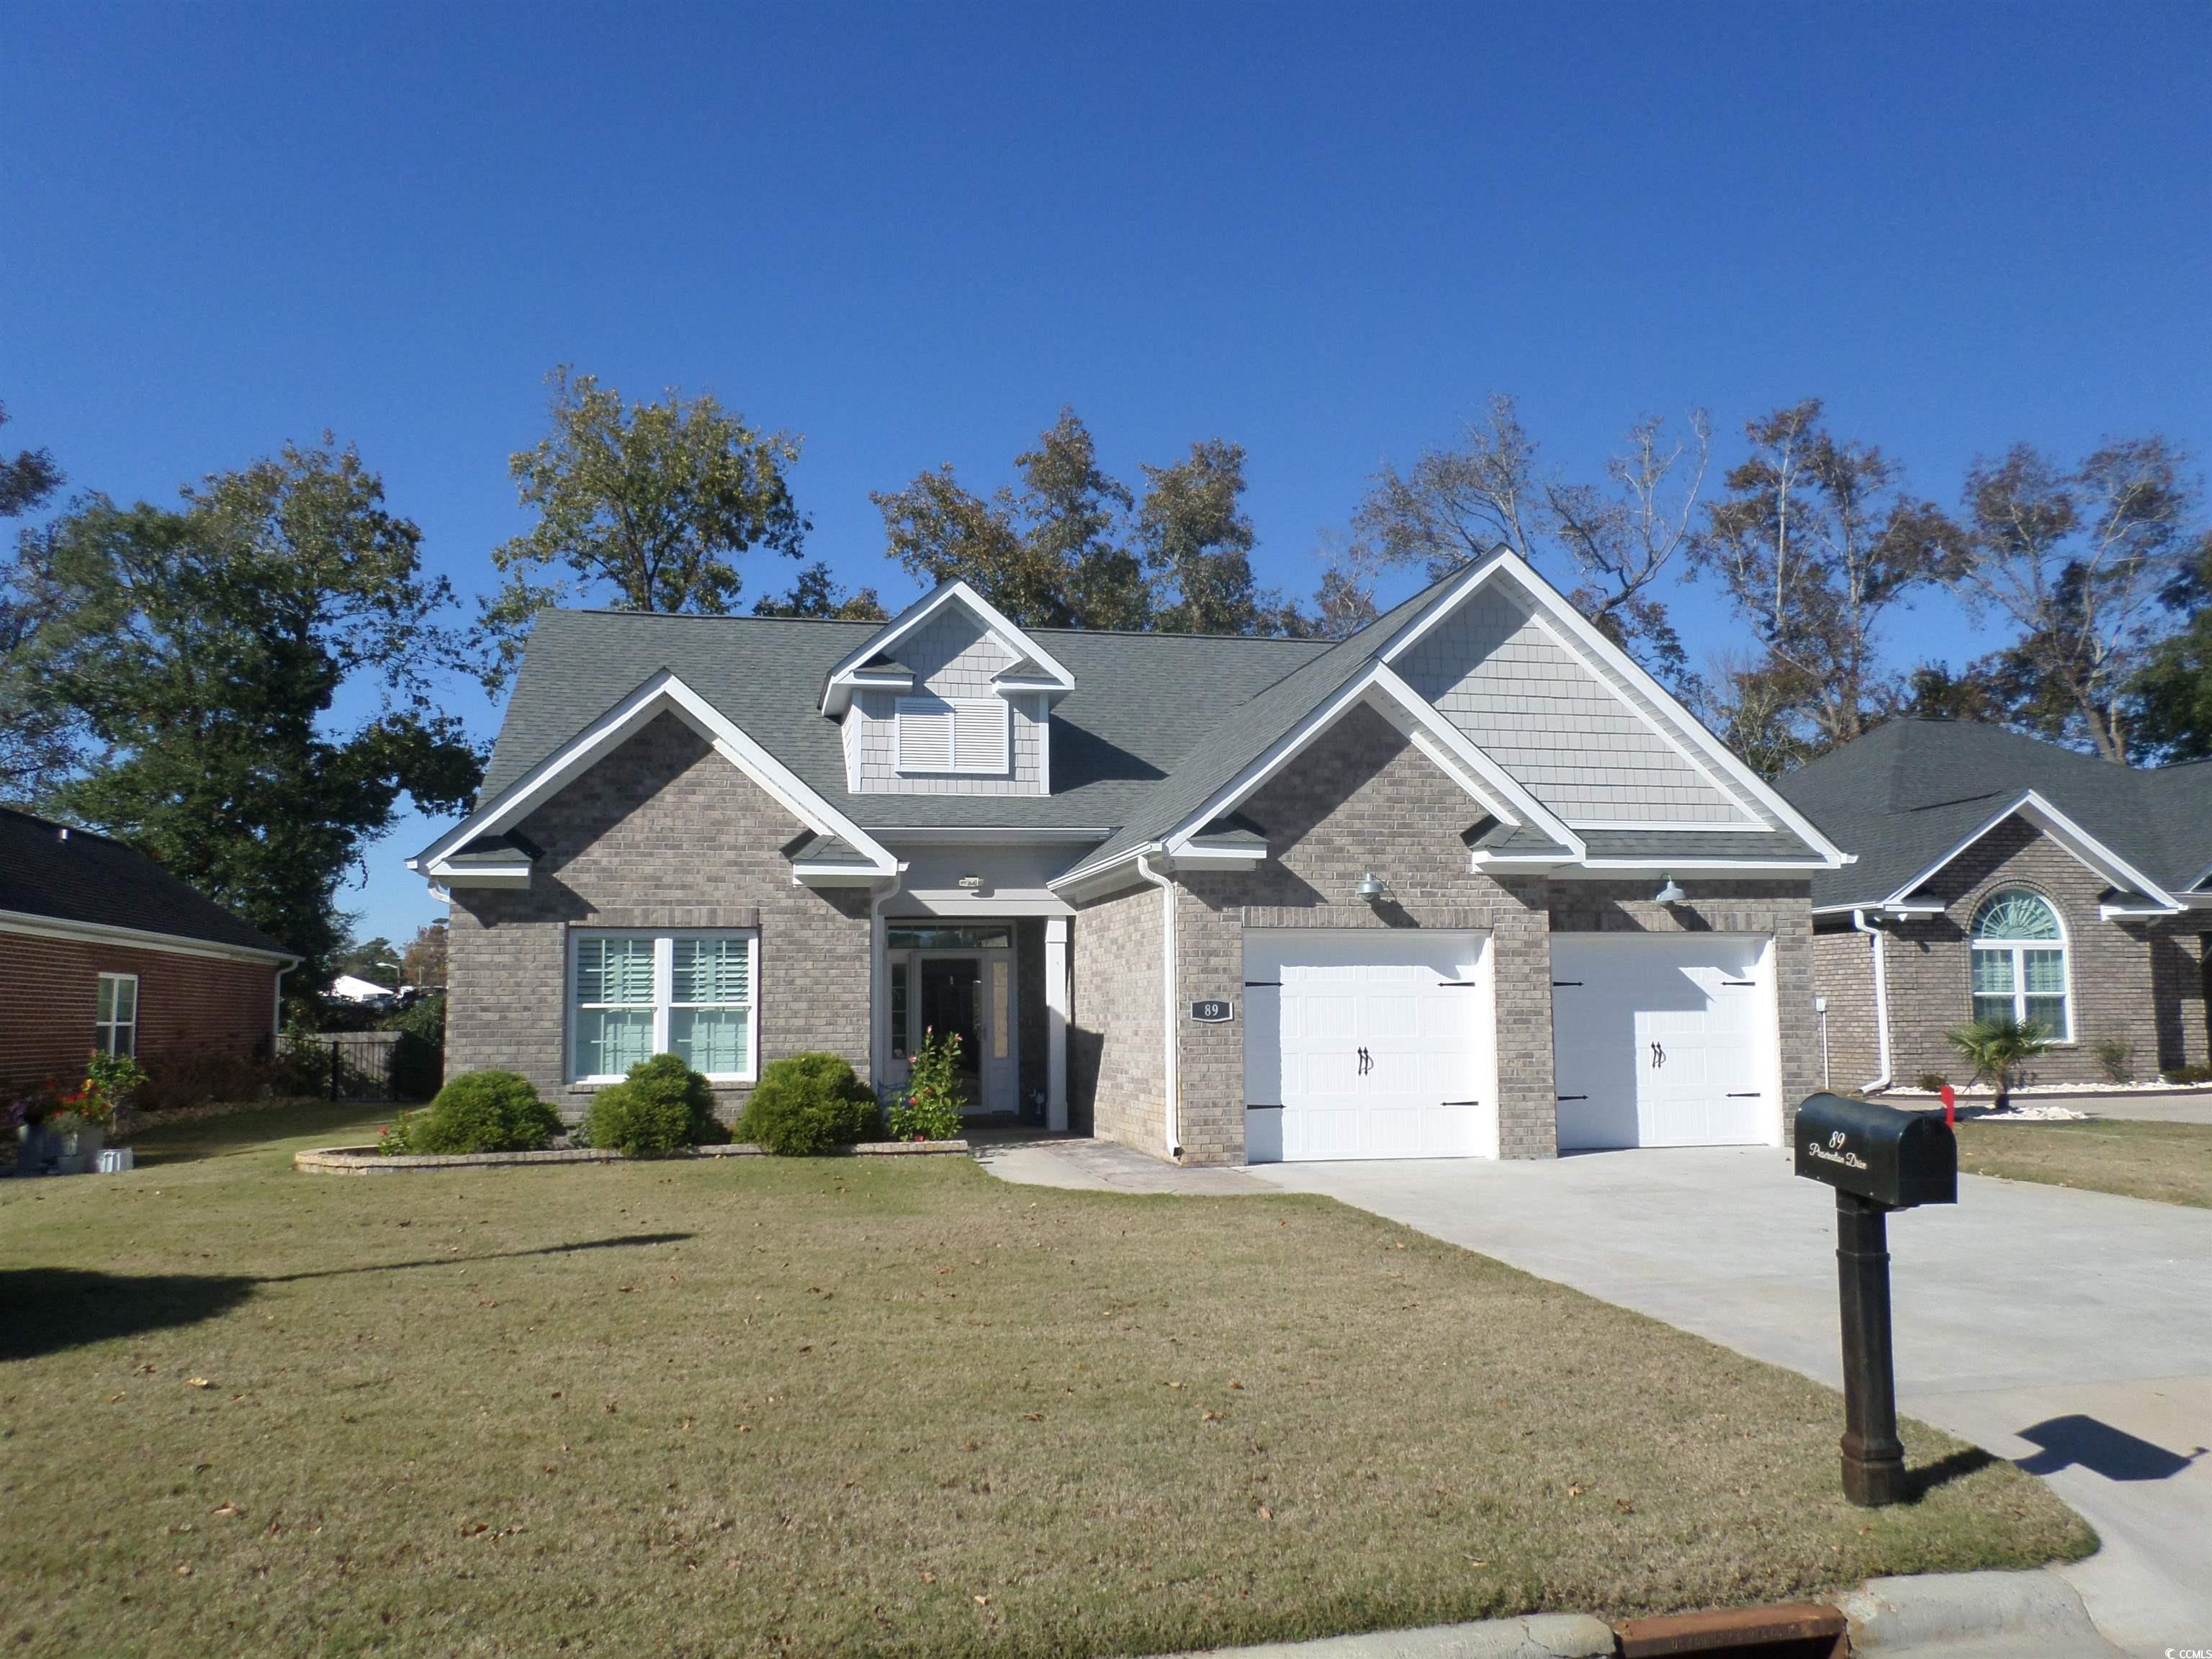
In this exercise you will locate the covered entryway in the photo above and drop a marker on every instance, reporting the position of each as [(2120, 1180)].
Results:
[(1664, 1040), (1368, 1043)]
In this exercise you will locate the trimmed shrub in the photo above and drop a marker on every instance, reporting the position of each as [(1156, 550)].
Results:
[(478, 1112), (807, 1105), (1933, 1082), (662, 1106), (2116, 1057), (2190, 1075)]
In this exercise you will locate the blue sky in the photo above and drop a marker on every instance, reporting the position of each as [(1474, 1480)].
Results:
[(913, 233)]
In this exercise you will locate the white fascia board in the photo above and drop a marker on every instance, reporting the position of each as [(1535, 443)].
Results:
[(1531, 863), (1887, 909), (1665, 825), (1192, 854), (663, 693), (1578, 628), (835, 875), (2069, 835), (945, 833), (1096, 880), (1747, 867), (28, 925), (2138, 912), (837, 693), (478, 875)]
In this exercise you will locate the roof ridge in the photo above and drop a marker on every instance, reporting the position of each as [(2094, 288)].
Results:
[(73, 829)]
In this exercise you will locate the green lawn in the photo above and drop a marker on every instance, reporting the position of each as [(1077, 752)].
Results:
[(862, 1405), (2171, 1163)]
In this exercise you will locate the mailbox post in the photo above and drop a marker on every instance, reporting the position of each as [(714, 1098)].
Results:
[(1878, 1159)]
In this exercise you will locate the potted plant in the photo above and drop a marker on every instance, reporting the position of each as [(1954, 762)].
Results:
[(88, 1111), (28, 1117)]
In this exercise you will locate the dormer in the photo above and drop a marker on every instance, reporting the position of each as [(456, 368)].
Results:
[(947, 698)]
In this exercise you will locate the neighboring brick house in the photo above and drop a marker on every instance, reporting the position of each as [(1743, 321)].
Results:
[(1995, 874), (100, 948), (1469, 882)]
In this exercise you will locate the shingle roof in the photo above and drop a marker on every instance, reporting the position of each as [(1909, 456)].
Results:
[(1155, 725), (1912, 790), (74, 875)]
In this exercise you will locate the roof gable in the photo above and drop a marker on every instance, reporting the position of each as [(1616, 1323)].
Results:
[(953, 610)]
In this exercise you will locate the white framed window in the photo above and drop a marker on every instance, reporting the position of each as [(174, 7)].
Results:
[(2019, 950), (633, 994), (115, 1026), (954, 734)]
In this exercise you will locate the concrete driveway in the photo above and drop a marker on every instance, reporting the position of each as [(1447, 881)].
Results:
[(2071, 1331)]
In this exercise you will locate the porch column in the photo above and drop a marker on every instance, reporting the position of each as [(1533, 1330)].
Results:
[(1055, 1023)]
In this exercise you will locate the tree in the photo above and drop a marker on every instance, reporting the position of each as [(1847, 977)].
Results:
[(34, 745), (2082, 563), (423, 960), (1752, 705), (1197, 543), (1073, 547), (373, 960), (200, 657), (2174, 688), (1814, 543), (1614, 541), (817, 593), (650, 500)]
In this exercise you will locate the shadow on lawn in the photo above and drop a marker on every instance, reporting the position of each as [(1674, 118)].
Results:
[(46, 1310), (1969, 1460)]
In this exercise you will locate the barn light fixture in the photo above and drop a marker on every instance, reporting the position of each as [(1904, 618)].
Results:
[(1371, 890), (1672, 893)]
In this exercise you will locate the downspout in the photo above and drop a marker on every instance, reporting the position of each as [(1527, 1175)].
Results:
[(1881, 1000), (1171, 1047), (879, 1012)]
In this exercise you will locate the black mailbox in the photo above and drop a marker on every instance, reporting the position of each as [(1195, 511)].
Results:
[(1896, 1159)]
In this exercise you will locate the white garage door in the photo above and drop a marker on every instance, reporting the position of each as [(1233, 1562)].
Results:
[(1664, 1040), (1367, 1042)]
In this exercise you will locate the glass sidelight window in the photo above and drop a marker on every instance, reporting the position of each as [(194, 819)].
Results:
[(2019, 963), (635, 995)]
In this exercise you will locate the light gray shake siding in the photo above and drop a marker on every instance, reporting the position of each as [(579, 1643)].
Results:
[(950, 657), (661, 833)]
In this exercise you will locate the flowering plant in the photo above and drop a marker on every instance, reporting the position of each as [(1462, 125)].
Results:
[(32, 1106), (109, 1082), (930, 1108)]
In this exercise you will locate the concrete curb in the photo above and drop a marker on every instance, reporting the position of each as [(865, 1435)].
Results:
[(1534, 1636), (2033, 1611), (1953, 1615)]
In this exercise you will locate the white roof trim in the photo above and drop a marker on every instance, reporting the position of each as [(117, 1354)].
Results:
[(1379, 686), (1733, 827), (26, 922), (2069, 835), (663, 693), (1585, 639), (836, 692)]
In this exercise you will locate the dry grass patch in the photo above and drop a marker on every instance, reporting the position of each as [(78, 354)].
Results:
[(2169, 1163), (863, 1405)]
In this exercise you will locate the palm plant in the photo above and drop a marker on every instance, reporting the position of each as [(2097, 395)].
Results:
[(1998, 1046)]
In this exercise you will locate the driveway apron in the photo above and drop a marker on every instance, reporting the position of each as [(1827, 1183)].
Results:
[(2070, 1331)]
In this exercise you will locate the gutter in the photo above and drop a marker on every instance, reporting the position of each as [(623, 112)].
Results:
[(1860, 924), (1170, 1046)]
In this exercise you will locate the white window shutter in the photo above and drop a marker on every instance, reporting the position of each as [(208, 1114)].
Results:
[(983, 735), (925, 735)]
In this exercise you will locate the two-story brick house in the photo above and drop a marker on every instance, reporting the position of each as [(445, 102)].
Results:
[(1469, 882), (1995, 874)]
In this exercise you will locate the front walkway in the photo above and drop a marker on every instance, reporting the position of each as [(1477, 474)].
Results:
[(1032, 1157), (2071, 1331)]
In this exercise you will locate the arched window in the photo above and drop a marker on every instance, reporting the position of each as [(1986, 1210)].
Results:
[(2019, 963)]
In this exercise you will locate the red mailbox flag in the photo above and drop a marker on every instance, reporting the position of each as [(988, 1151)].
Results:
[(1950, 1105)]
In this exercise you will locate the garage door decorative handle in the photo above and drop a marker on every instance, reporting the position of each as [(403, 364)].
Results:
[(1658, 1056), (1367, 1062)]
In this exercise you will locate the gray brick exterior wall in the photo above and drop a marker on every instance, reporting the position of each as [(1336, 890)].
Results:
[(2141, 981), (662, 833), (1114, 1058), (1843, 972)]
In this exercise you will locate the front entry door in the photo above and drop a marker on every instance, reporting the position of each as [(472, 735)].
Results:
[(973, 996)]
